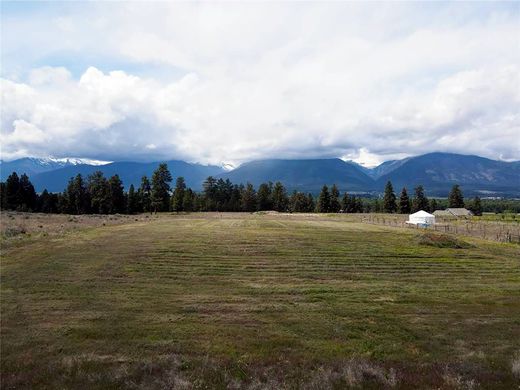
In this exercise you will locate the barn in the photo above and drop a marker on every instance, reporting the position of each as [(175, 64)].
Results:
[(421, 218)]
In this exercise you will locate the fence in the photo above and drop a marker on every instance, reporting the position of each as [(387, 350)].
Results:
[(488, 230)]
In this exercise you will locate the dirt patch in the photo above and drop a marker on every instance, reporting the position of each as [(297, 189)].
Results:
[(443, 241)]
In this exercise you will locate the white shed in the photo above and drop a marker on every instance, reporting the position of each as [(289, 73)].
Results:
[(421, 218)]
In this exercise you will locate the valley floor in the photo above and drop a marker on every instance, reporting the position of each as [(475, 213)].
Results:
[(254, 301)]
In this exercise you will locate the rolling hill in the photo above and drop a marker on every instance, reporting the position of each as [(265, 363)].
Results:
[(303, 175)]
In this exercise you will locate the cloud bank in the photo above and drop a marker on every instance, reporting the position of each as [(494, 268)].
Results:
[(227, 83)]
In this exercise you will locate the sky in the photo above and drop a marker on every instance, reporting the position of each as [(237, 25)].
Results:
[(229, 82)]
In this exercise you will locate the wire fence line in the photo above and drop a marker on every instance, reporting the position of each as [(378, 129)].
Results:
[(488, 230)]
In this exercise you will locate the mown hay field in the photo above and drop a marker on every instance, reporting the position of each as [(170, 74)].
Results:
[(257, 301)]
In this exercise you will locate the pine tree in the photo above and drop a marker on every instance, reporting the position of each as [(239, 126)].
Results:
[(188, 200), (389, 199), (178, 194), (161, 180), (28, 197), (420, 201), (99, 193), (117, 195), (12, 191), (3, 197), (249, 198), (404, 202), (433, 205), (210, 193), (264, 196), (323, 205), (311, 205), (280, 200), (145, 195), (335, 206), (476, 206), (132, 205), (77, 196), (455, 199), (346, 203)]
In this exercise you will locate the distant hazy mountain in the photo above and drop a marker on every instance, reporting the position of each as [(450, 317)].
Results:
[(304, 175), (129, 172), (32, 166), (437, 172)]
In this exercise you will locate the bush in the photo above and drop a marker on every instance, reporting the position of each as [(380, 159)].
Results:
[(14, 231)]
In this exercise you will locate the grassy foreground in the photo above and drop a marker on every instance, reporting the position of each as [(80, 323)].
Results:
[(257, 301)]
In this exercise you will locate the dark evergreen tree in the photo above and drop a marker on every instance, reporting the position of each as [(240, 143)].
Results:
[(476, 206), (264, 196), (28, 197), (335, 206), (404, 202), (178, 194), (249, 198), (161, 180), (420, 201), (389, 199), (311, 205), (280, 199), (188, 200), (47, 202), (3, 197), (145, 195), (210, 193), (433, 205), (132, 204), (99, 193), (299, 203), (117, 195), (12, 192), (323, 205), (78, 199), (455, 199), (347, 203)]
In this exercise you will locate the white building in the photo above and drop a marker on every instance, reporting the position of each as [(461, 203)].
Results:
[(421, 218)]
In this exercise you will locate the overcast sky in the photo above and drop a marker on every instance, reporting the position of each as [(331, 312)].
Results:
[(232, 82)]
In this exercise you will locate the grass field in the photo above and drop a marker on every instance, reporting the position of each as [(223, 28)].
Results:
[(257, 301)]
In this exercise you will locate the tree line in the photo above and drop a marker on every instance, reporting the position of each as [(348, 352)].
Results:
[(97, 194)]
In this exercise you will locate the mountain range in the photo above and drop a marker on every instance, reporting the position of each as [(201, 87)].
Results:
[(437, 172)]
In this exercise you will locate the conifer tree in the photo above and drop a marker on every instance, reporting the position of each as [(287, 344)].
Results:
[(145, 195), (476, 206), (335, 206), (404, 202), (311, 205), (117, 195), (420, 201), (160, 197), (188, 200), (178, 194), (264, 197), (3, 197), (455, 199), (133, 201), (249, 198), (12, 191), (280, 200), (99, 193), (433, 205), (389, 199), (323, 205), (28, 198)]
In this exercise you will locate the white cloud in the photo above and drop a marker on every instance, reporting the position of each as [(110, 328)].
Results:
[(247, 81)]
